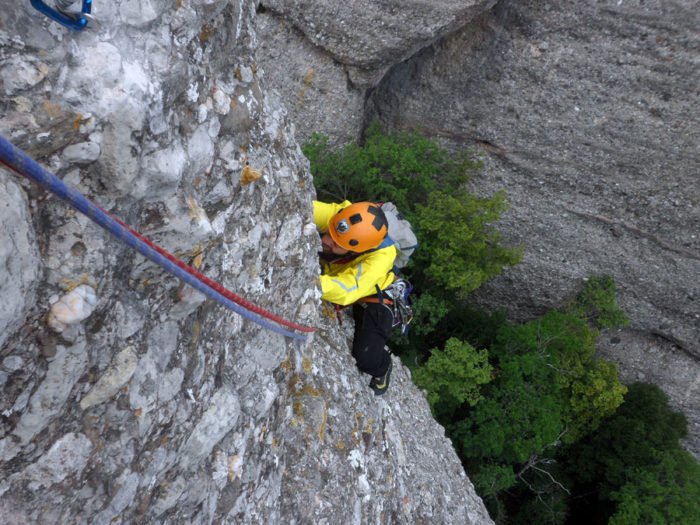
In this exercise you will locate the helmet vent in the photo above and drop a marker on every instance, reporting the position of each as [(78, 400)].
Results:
[(354, 219)]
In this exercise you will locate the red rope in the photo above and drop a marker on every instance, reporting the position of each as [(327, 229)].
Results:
[(213, 284), (201, 277)]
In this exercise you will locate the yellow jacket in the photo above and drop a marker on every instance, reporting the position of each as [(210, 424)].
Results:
[(345, 281)]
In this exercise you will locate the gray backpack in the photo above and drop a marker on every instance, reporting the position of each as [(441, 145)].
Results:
[(401, 233)]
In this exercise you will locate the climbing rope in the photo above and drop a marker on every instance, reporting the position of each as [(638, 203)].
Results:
[(18, 161)]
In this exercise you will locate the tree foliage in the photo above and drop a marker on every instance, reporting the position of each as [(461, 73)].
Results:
[(546, 431), (665, 492), (632, 469), (452, 377), (597, 303)]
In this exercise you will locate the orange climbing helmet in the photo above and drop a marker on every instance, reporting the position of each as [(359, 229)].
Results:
[(359, 227)]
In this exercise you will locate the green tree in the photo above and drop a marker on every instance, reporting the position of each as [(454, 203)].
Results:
[(597, 303), (458, 247), (632, 467), (460, 250), (548, 390), (400, 167), (664, 493), (588, 389), (452, 377)]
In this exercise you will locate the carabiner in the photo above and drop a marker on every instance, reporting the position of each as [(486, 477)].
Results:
[(74, 21)]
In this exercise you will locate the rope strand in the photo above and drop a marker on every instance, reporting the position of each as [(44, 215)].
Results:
[(18, 161)]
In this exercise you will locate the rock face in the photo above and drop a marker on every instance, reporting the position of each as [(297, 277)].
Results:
[(584, 113), (370, 37), (325, 57), (128, 397)]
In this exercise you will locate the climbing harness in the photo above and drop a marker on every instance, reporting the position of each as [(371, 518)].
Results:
[(395, 297), (18, 161), (75, 21)]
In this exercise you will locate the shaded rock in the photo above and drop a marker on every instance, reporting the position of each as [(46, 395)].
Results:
[(370, 38)]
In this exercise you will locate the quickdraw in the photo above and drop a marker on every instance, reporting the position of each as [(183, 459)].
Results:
[(395, 298), (75, 21)]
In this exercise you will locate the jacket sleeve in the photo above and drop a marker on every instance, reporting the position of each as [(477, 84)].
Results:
[(358, 280), (324, 211)]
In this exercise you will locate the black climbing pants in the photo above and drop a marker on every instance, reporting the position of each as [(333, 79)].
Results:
[(373, 323)]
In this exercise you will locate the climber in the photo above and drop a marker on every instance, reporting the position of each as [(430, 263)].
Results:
[(356, 262)]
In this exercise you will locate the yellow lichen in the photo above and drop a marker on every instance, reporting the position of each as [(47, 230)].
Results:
[(207, 32), (308, 390), (69, 285), (308, 80), (248, 174), (306, 363), (287, 363), (322, 429), (298, 409), (196, 211), (328, 309)]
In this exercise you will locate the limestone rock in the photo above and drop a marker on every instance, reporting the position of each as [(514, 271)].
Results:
[(161, 405), (371, 37)]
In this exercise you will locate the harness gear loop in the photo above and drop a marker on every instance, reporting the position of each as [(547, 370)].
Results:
[(395, 298), (75, 21)]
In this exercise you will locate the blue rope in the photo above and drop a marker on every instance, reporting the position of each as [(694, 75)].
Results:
[(19, 161)]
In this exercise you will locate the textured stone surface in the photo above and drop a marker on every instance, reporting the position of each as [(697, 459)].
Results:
[(314, 86), (370, 37), (154, 404), (585, 114), (20, 256), (325, 58)]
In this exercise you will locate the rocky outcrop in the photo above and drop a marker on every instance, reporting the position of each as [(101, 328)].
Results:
[(324, 58), (369, 38), (128, 397)]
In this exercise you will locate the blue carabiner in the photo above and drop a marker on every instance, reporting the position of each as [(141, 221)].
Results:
[(75, 22)]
